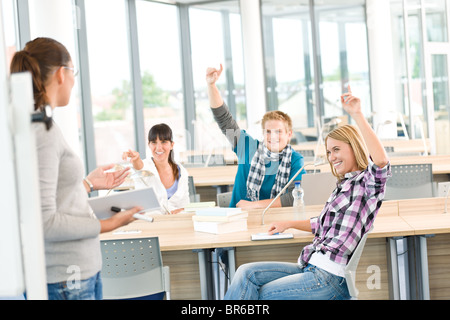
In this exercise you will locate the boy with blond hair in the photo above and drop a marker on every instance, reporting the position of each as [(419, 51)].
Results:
[(264, 167)]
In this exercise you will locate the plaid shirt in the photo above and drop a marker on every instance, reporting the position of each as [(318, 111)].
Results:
[(348, 214)]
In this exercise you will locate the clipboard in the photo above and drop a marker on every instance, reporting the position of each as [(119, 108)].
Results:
[(145, 198)]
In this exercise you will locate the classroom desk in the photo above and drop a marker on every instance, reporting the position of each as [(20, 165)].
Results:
[(224, 175), (407, 146), (400, 146), (178, 242), (431, 241), (441, 163)]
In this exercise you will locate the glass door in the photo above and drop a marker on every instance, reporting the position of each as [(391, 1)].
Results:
[(438, 101), (435, 15)]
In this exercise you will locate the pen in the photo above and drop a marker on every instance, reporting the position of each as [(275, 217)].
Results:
[(136, 215), (116, 209), (165, 208)]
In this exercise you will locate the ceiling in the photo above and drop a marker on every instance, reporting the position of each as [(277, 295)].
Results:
[(334, 9)]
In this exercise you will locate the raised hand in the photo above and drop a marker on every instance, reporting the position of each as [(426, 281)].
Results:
[(135, 158), (350, 103), (213, 74)]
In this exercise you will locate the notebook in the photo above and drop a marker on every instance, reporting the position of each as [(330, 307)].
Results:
[(145, 198), (318, 187)]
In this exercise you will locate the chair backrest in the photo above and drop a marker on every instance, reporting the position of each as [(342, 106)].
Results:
[(410, 181), (208, 160), (308, 154), (193, 196), (132, 268), (352, 265), (318, 187), (224, 199)]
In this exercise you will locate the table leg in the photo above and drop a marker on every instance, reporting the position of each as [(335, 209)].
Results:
[(231, 263), (394, 286), (424, 268), (418, 261), (203, 265)]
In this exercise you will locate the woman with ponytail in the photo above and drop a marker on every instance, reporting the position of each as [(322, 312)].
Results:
[(71, 230)]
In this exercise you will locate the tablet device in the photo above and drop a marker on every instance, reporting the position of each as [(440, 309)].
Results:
[(145, 198), (266, 236)]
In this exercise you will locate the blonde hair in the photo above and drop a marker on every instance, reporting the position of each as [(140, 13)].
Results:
[(277, 115), (350, 134)]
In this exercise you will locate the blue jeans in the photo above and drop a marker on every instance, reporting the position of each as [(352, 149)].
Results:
[(89, 289), (285, 281)]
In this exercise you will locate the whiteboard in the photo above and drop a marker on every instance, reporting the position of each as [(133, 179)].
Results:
[(11, 267)]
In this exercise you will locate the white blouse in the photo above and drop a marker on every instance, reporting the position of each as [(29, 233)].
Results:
[(178, 200)]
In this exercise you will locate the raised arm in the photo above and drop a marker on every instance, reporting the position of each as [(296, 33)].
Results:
[(352, 105), (222, 115), (212, 75)]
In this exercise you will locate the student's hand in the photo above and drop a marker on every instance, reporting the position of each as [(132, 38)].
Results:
[(350, 103), (176, 211), (133, 155), (118, 220), (278, 227), (244, 204), (101, 179), (213, 74)]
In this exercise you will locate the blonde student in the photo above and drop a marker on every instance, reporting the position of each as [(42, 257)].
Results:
[(264, 167), (345, 218)]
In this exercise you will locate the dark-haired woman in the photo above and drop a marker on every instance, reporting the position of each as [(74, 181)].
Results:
[(71, 230), (169, 179)]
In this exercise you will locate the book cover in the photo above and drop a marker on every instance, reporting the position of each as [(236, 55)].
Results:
[(214, 218), (216, 211), (194, 206), (221, 227)]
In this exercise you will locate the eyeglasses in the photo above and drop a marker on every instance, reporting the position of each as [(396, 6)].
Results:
[(74, 70)]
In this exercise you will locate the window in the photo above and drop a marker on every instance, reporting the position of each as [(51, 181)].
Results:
[(343, 54), (412, 101), (289, 64), (43, 19), (440, 73), (161, 69), (111, 87), (216, 39), (8, 20), (341, 57), (436, 17), (425, 44)]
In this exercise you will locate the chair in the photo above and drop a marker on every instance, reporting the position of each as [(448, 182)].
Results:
[(410, 181), (318, 187), (205, 160), (224, 199), (133, 269), (352, 265), (193, 196), (308, 154)]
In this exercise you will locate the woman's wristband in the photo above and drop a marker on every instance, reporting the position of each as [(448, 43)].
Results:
[(91, 186)]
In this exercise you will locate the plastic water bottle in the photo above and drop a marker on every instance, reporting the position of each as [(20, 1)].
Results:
[(299, 203)]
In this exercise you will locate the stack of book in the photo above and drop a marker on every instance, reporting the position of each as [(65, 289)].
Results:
[(220, 220), (194, 206)]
